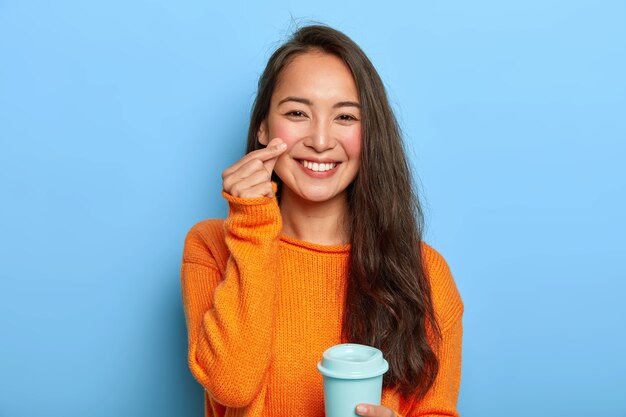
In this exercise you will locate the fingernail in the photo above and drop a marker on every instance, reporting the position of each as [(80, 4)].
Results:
[(282, 146), (361, 409)]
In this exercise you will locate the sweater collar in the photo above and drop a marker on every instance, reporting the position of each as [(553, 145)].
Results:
[(291, 241)]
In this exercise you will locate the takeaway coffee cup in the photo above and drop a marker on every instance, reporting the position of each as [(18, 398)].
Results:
[(353, 374)]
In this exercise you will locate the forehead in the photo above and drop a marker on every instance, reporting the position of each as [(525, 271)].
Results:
[(317, 75)]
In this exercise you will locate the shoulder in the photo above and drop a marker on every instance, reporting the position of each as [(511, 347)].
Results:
[(205, 244), (446, 297)]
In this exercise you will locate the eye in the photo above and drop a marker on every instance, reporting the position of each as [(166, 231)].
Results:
[(347, 118), (295, 114)]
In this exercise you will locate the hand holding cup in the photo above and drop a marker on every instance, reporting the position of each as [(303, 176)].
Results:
[(353, 381)]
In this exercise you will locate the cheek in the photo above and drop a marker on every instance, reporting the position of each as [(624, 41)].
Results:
[(352, 142), (288, 132)]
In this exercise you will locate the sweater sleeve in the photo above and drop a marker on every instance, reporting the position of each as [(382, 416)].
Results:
[(441, 399), (230, 311)]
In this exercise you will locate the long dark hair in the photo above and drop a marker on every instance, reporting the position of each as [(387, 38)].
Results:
[(388, 298)]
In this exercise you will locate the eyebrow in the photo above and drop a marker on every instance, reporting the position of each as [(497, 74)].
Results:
[(310, 103)]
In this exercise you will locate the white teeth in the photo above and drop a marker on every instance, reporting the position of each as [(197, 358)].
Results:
[(319, 167)]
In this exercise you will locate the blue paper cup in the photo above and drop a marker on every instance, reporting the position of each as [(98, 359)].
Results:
[(353, 374)]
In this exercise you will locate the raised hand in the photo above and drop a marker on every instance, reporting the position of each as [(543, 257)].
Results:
[(251, 176)]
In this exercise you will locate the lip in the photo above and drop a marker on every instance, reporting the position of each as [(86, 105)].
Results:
[(318, 160), (318, 174)]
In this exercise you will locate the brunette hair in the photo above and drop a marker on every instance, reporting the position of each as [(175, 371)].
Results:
[(388, 301)]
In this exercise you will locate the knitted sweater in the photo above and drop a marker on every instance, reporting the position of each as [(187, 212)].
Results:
[(262, 307)]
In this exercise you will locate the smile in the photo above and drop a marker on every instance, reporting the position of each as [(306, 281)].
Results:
[(318, 166)]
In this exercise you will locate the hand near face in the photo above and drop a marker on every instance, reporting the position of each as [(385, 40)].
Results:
[(374, 411), (251, 176)]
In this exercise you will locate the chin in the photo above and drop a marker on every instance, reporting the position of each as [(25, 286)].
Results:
[(313, 193), (319, 197)]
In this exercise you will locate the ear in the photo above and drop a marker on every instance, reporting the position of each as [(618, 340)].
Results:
[(262, 134)]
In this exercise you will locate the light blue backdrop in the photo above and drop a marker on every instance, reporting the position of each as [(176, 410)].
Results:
[(117, 118)]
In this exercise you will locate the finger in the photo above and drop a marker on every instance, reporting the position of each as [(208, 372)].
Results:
[(280, 146), (263, 189), (273, 149), (249, 168), (370, 410), (241, 187)]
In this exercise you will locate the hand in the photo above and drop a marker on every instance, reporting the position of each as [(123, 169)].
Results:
[(370, 410), (251, 176)]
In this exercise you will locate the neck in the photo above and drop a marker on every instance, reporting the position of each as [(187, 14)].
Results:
[(320, 223)]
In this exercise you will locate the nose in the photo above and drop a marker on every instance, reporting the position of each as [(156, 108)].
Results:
[(320, 137)]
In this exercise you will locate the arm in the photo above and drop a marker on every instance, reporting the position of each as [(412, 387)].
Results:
[(230, 316), (441, 399)]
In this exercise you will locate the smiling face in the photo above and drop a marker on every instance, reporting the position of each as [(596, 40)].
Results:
[(315, 110)]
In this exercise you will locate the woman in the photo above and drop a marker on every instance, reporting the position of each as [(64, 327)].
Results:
[(322, 245)]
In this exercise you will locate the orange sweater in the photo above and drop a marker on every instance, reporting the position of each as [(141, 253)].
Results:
[(262, 307)]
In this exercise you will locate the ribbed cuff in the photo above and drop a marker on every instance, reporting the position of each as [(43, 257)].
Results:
[(254, 213)]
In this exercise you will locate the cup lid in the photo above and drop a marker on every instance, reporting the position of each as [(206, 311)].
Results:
[(352, 361)]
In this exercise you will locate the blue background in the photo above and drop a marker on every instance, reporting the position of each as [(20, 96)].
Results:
[(117, 118)]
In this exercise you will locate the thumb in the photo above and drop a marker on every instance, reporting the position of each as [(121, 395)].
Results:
[(277, 147)]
